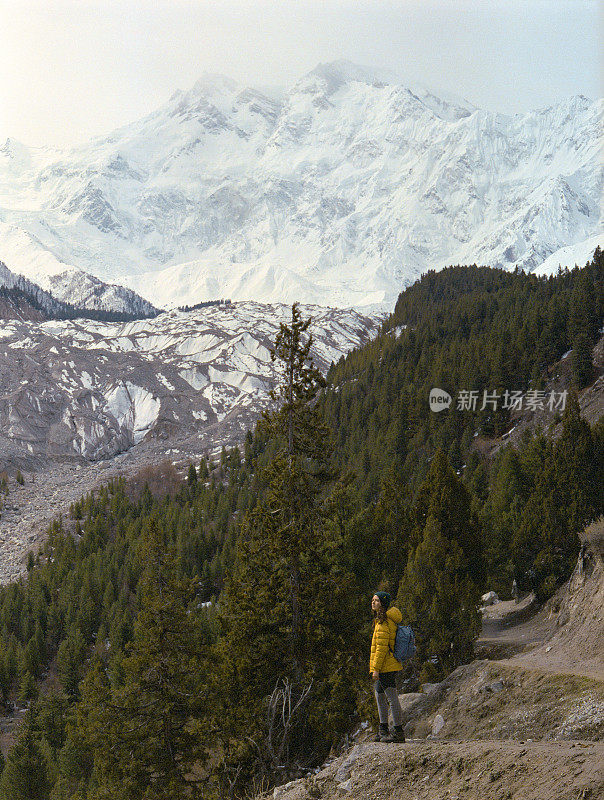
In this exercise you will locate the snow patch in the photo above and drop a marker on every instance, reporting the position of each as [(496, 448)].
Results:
[(133, 407)]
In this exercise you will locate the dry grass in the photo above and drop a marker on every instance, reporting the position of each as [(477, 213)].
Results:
[(161, 478)]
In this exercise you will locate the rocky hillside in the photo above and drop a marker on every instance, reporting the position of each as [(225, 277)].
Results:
[(339, 191), (15, 305), (22, 299), (559, 379)]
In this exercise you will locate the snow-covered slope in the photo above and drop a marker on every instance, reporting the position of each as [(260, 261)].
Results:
[(69, 284), (90, 295), (338, 192), (573, 255), (22, 299), (86, 389)]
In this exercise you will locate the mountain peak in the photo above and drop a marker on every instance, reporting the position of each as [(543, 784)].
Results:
[(335, 74), (351, 186), (330, 77), (211, 83), (13, 149)]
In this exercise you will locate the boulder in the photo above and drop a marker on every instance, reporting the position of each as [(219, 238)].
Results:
[(294, 790), (489, 599), (437, 725)]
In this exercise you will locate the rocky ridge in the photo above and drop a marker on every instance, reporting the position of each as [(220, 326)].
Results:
[(84, 292)]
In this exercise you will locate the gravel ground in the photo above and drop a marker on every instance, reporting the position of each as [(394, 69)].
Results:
[(462, 770)]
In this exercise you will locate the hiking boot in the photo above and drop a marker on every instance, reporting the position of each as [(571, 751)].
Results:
[(398, 734), (382, 732)]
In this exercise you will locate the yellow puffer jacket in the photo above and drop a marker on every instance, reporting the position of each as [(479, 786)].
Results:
[(382, 643)]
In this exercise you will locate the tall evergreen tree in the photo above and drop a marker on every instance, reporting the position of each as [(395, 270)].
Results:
[(290, 616), (26, 772), (444, 496), (581, 360), (147, 735), (440, 601)]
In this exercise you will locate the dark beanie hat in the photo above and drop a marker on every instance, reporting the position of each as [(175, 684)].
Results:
[(384, 598)]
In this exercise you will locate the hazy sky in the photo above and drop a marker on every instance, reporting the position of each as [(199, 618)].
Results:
[(71, 69)]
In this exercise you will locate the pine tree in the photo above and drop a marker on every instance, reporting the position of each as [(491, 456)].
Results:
[(50, 720), (392, 529), (289, 615), (444, 496), (582, 360), (74, 766), (300, 470), (70, 658), (28, 689), (509, 492), (203, 469), (192, 476), (26, 772), (440, 601), (147, 734)]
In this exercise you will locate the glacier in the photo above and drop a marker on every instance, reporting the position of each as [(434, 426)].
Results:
[(82, 390)]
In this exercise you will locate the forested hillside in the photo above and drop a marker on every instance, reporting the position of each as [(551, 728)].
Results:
[(195, 638), (464, 328)]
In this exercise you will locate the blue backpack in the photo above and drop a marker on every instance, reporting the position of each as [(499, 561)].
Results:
[(404, 643)]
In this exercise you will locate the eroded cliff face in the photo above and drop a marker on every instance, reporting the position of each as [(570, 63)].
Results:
[(577, 610)]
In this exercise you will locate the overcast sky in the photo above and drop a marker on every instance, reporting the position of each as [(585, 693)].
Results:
[(71, 69)]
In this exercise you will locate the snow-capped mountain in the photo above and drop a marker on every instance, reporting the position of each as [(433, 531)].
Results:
[(339, 192), (89, 390), (22, 299), (67, 284), (121, 303)]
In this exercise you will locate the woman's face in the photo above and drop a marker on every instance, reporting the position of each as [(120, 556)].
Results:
[(375, 602)]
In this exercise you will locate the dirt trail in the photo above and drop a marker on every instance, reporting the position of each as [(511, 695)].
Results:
[(468, 770), (514, 625), (565, 637), (521, 635)]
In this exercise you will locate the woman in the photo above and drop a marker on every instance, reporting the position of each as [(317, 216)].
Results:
[(384, 666)]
